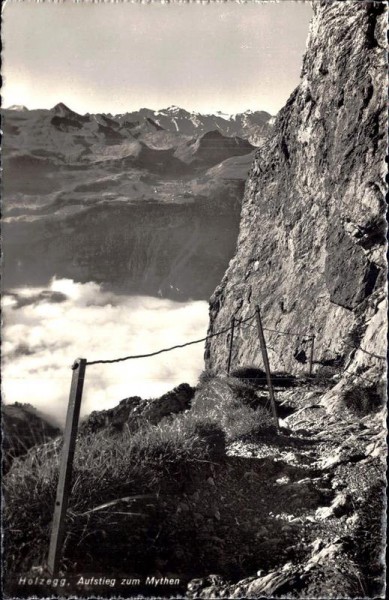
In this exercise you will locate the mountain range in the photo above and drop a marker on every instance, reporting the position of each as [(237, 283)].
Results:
[(251, 125), (144, 202)]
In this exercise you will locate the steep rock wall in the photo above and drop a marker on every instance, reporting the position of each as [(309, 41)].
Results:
[(311, 249)]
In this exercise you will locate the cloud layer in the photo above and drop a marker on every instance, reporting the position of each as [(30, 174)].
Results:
[(45, 330)]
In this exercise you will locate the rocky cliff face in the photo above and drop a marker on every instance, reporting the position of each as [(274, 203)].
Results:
[(311, 248)]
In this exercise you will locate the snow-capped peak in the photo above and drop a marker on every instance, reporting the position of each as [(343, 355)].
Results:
[(18, 107)]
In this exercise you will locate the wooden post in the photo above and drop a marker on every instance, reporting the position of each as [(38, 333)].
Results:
[(65, 471), (231, 345), (265, 359), (311, 355)]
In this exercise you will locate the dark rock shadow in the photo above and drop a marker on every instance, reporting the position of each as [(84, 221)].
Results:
[(257, 378)]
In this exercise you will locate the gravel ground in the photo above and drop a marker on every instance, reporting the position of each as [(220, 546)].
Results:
[(314, 499)]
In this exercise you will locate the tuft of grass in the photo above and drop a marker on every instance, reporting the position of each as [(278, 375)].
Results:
[(362, 400), (206, 376), (234, 405), (354, 336), (325, 374)]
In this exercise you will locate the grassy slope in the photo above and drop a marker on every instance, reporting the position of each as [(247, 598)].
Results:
[(150, 469)]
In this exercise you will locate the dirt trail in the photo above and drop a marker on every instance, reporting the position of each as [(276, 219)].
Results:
[(321, 488)]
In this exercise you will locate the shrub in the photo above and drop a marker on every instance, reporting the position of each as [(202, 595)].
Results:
[(233, 405), (250, 374), (361, 400), (325, 374), (206, 376), (256, 378), (354, 337)]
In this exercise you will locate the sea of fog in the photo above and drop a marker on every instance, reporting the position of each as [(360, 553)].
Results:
[(45, 330)]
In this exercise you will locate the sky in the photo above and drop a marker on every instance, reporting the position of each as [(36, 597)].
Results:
[(119, 57), (47, 329)]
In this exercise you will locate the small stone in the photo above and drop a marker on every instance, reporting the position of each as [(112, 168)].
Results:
[(282, 480), (338, 508), (317, 544), (353, 519), (251, 475), (196, 584), (198, 516), (373, 449)]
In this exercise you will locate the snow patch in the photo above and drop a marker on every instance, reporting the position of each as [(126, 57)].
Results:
[(195, 120)]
